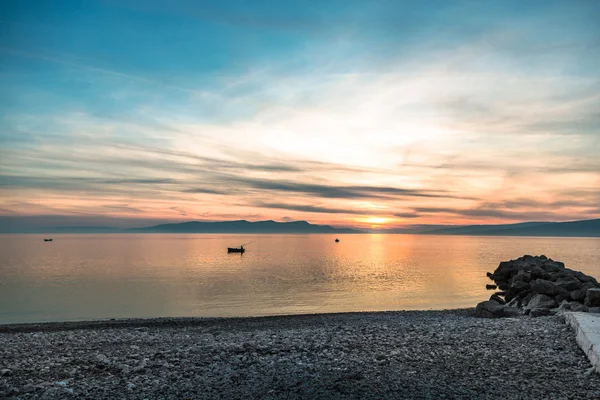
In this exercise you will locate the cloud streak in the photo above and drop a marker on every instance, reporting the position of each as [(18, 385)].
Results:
[(372, 111)]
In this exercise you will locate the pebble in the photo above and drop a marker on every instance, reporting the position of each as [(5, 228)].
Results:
[(420, 354)]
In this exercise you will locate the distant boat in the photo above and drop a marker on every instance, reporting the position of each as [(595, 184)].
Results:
[(240, 249), (47, 240), (337, 240)]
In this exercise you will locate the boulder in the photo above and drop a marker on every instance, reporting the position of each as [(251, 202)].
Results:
[(584, 278), (491, 287), (551, 264), (522, 275), (489, 309), (497, 299), (560, 298), (526, 298), (578, 295), (577, 307), (569, 283), (542, 286), (595, 310), (509, 295), (541, 301), (592, 298), (565, 305), (519, 286), (508, 311), (516, 302), (540, 312), (536, 272)]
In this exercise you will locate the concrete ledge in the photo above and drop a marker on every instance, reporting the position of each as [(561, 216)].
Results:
[(587, 329)]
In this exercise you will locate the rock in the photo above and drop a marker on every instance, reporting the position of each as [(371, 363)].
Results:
[(554, 264), (578, 295), (491, 287), (489, 309), (526, 298), (489, 275), (497, 299), (102, 359), (541, 301), (577, 307), (511, 311), (595, 310), (522, 275), (542, 286), (536, 272), (569, 284), (28, 388), (560, 298), (503, 285), (519, 286), (509, 295), (540, 312), (592, 298), (5, 372), (516, 302), (61, 383), (585, 278), (565, 305), (130, 386)]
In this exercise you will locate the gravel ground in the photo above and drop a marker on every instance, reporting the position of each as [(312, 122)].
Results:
[(391, 355)]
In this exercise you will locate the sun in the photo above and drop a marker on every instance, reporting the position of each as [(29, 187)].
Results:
[(376, 220)]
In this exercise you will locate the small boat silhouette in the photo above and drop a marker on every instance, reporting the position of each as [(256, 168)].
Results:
[(47, 240), (240, 249)]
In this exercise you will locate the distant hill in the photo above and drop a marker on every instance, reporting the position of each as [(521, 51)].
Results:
[(243, 226), (84, 229), (586, 228)]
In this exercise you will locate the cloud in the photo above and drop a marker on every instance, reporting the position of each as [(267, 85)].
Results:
[(310, 208), (406, 215), (494, 120)]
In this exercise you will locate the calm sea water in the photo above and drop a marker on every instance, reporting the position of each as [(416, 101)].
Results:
[(79, 277)]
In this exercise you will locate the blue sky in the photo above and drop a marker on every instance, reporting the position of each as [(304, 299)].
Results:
[(413, 112)]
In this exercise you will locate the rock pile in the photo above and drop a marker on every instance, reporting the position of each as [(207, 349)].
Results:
[(536, 285)]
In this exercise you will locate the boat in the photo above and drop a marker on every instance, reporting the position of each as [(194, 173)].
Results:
[(47, 240), (240, 249)]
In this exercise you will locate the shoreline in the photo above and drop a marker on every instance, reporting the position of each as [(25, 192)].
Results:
[(363, 355), (173, 322)]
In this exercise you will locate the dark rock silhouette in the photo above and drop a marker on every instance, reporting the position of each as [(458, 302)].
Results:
[(538, 285)]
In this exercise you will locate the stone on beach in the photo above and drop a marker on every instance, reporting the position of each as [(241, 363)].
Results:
[(395, 355)]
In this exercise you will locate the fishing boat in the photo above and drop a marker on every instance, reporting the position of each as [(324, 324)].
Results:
[(47, 240), (240, 249)]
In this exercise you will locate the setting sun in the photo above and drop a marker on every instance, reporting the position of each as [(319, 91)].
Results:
[(376, 220)]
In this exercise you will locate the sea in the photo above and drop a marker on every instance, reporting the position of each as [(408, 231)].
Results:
[(104, 276)]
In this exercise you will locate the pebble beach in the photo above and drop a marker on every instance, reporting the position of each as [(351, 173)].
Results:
[(394, 355)]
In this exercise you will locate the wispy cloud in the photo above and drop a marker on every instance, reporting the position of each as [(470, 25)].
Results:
[(374, 110)]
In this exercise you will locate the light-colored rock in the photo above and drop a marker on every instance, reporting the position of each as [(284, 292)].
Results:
[(541, 301)]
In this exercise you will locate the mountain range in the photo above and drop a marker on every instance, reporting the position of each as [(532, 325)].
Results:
[(585, 228)]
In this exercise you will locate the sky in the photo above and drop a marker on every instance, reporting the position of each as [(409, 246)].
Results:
[(375, 114)]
